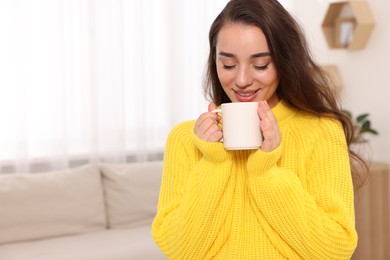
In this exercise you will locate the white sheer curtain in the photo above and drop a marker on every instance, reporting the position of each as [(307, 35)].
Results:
[(97, 80)]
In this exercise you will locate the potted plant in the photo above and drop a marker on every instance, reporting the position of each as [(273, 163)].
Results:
[(362, 125)]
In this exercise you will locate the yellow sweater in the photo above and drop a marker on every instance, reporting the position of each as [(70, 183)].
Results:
[(295, 202)]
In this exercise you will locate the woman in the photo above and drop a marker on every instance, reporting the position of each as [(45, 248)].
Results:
[(290, 199)]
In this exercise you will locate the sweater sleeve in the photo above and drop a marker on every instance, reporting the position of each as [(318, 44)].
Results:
[(312, 220), (193, 196)]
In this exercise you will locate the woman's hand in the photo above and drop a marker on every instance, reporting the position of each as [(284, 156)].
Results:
[(206, 126), (269, 127)]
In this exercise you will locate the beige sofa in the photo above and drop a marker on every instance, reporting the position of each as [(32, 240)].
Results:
[(85, 213)]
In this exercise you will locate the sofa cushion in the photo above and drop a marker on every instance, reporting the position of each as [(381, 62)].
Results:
[(40, 205), (131, 192), (110, 244)]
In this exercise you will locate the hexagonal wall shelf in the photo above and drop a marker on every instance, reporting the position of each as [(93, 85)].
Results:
[(348, 24)]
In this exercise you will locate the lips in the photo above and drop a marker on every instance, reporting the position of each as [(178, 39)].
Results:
[(246, 96)]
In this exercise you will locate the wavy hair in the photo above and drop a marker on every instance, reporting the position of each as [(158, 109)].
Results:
[(303, 84)]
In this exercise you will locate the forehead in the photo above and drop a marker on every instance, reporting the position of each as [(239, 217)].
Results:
[(241, 38)]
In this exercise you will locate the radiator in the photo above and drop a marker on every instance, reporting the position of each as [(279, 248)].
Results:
[(372, 216)]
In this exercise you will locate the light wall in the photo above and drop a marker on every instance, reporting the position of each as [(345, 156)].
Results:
[(365, 73)]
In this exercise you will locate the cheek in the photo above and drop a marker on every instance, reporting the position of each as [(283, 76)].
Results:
[(225, 77), (269, 79)]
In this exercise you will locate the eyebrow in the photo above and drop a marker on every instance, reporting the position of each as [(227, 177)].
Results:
[(256, 55)]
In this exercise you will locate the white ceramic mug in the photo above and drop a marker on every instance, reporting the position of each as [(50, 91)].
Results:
[(240, 126)]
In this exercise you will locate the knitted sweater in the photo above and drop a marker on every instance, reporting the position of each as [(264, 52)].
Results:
[(295, 202)]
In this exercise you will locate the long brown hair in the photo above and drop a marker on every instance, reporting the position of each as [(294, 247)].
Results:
[(303, 84)]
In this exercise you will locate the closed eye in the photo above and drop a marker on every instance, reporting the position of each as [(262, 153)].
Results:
[(261, 67), (228, 67)]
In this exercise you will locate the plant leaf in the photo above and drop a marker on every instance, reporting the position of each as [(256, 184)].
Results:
[(347, 113), (372, 131), (362, 117), (366, 126)]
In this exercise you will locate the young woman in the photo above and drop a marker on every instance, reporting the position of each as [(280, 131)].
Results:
[(293, 198)]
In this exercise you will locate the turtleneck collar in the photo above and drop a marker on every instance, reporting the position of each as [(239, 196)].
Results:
[(282, 111)]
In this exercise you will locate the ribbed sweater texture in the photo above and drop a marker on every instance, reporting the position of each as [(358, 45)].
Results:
[(295, 202)]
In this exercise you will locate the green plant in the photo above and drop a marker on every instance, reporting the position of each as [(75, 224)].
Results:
[(362, 125)]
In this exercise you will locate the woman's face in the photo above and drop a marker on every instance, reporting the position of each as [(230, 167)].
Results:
[(244, 64)]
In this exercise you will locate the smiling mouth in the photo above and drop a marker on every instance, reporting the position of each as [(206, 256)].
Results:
[(246, 96)]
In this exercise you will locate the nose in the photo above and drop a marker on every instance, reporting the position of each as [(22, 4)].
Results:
[(244, 77)]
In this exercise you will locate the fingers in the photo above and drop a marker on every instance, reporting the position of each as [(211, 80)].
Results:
[(266, 115), (269, 127), (206, 127), (212, 107)]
